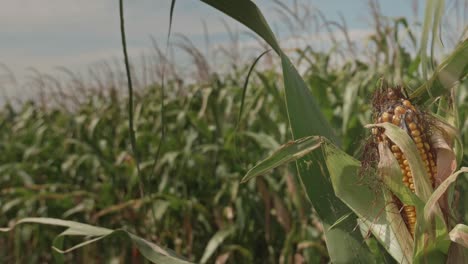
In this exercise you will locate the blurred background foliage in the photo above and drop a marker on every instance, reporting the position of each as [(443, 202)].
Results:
[(67, 154)]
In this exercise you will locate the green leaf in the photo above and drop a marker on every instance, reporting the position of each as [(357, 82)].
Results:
[(340, 220), (305, 107), (215, 242), (263, 140), (344, 173), (244, 88), (247, 13), (367, 201), (438, 13), (428, 15), (453, 69), (349, 99), (150, 251), (345, 243), (291, 151)]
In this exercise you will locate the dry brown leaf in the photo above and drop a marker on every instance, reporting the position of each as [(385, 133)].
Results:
[(223, 258)]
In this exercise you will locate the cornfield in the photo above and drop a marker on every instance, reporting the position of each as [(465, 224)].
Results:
[(362, 161)]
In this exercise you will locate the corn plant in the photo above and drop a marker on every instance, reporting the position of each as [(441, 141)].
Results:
[(414, 155)]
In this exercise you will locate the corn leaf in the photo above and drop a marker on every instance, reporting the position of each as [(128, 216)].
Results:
[(345, 244), (215, 242), (368, 202), (150, 251), (453, 69), (383, 220), (428, 16), (289, 152)]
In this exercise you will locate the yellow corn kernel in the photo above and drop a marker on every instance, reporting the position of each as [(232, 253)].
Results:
[(386, 117), (407, 103), (395, 148), (399, 110), (427, 146), (415, 133)]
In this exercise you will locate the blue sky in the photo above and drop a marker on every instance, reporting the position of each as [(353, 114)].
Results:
[(77, 33)]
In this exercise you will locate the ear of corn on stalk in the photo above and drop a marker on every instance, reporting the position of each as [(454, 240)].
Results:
[(392, 106)]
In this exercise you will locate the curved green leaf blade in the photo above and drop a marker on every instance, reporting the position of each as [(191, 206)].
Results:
[(289, 152), (150, 251), (428, 15), (452, 69), (303, 109), (215, 242), (246, 82), (369, 203), (345, 243)]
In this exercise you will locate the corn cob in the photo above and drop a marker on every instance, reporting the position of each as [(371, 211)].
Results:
[(392, 106)]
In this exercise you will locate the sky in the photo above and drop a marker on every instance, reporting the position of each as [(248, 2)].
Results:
[(75, 34)]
